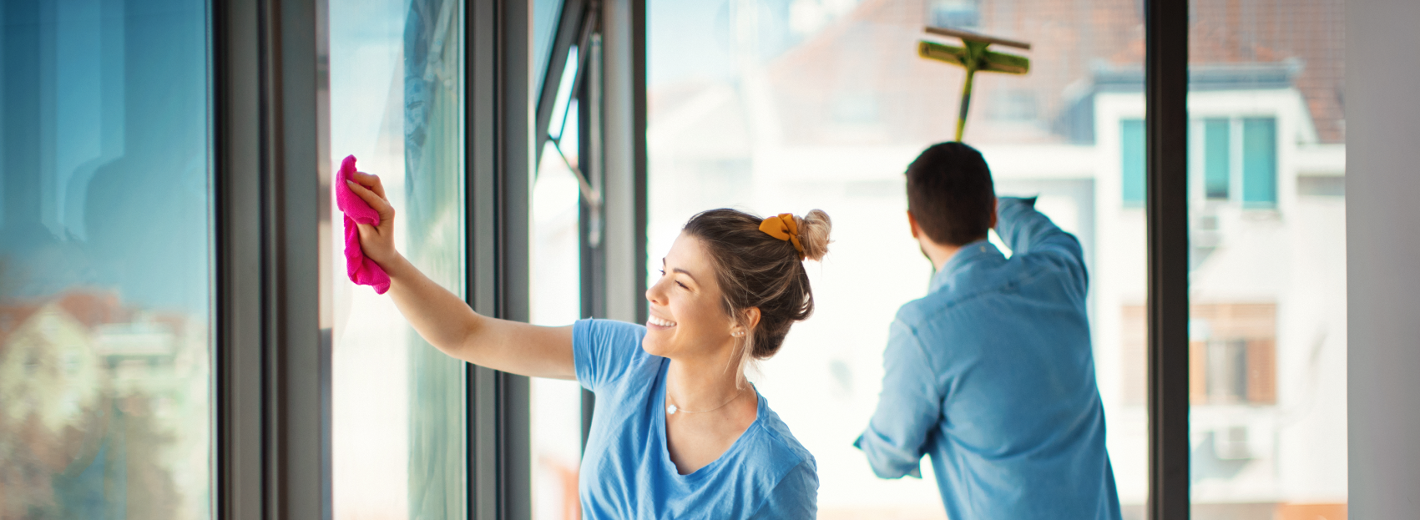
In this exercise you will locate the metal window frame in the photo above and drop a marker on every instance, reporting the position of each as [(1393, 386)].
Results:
[(272, 335), (610, 89), (273, 343), (612, 140), (592, 257), (1166, 207), (499, 169), (575, 22)]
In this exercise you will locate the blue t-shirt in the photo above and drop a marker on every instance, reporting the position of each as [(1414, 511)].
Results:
[(992, 375), (627, 471)]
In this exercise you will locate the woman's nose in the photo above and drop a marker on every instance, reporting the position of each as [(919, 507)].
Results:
[(653, 292)]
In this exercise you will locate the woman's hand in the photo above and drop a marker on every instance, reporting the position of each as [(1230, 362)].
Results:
[(376, 242)]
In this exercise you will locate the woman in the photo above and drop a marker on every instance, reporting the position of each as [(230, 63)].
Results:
[(678, 431)]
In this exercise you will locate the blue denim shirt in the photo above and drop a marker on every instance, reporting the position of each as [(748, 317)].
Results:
[(992, 375)]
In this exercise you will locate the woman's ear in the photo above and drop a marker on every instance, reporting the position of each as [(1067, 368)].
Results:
[(750, 318)]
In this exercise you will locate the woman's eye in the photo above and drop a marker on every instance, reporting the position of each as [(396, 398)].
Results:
[(677, 282)]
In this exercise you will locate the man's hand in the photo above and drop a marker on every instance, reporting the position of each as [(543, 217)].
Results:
[(376, 242)]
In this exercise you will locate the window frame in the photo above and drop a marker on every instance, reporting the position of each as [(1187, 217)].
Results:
[(1234, 126), (272, 335), (1166, 123), (609, 86)]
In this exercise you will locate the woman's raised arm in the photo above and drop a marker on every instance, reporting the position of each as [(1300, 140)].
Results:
[(445, 321)]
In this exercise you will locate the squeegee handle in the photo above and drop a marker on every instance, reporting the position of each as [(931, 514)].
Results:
[(965, 102)]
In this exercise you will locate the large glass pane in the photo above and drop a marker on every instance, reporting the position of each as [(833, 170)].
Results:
[(396, 69), (556, 408), (1267, 354), (546, 14), (785, 106), (105, 260)]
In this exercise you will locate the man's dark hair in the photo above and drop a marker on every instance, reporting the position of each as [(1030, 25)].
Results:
[(949, 192)]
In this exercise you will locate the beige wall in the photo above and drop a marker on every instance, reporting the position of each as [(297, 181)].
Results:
[(1382, 185)]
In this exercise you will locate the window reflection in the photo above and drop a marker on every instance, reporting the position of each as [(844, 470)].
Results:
[(105, 344)]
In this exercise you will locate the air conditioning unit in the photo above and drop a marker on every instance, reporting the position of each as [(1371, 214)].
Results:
[(1231, 443), (1206, 231)]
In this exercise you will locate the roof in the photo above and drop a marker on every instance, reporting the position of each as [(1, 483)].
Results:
[(90, 308), (94, 308), (12, 317), (861, 80)]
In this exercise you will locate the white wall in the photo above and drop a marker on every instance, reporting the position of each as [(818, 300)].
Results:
[(1383, 197)]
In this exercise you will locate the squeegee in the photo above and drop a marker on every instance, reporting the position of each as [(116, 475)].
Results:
[(973, 56)]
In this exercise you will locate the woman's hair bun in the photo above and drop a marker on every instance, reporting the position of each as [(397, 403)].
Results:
[(814, 228)]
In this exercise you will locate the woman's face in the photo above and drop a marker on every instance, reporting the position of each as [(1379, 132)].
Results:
[(688, 317)]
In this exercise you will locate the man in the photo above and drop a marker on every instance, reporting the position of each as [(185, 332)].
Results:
[(992, 373)]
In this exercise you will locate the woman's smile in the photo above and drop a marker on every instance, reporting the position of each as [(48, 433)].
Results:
[(655, 323), (686, 318)]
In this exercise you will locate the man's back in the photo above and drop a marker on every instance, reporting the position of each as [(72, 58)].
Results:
[(992, 375)]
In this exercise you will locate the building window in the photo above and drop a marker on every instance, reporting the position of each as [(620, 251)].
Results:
[(1017, 105), (1238, 159), (1132, 159), (1232, 354), (1217, 158), (1259, 162), (956, 13)]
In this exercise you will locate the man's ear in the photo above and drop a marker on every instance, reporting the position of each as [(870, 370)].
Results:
[(912, 223)]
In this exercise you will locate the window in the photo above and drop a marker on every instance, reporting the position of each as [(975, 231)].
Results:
[(556, 405), (1232, 354), (1217, 159), (1267, 350), (1238, 160), (1018, 105), (396, 101), (831, 123), (1132, 150), (1259, 162), (106, 226), (956, 13)]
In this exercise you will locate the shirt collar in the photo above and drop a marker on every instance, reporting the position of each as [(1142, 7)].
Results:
[(966, 256)]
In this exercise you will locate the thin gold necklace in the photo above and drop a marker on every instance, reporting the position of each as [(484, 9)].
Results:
[(672, 409)]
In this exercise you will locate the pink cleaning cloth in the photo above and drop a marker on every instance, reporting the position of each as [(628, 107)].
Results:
[(361, 270)]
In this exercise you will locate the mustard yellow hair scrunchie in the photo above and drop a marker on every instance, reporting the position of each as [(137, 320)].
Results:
[(783, 227)]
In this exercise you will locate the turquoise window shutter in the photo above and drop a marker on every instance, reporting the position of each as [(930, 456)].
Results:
[(1217, 144), (1132, 157), (1259, 162)]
